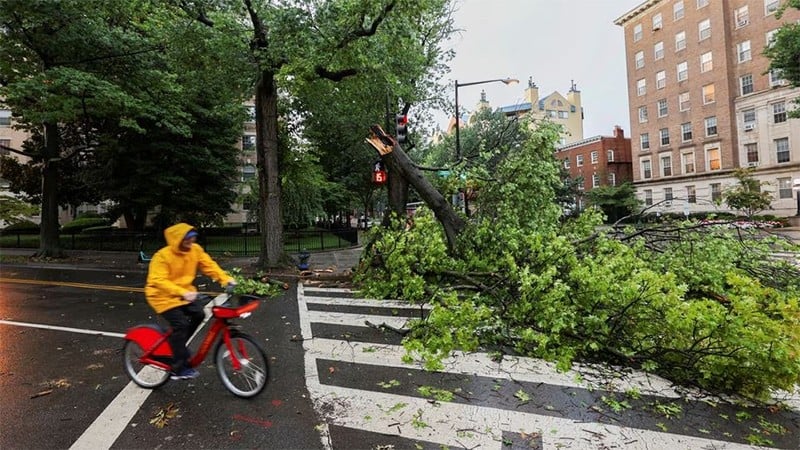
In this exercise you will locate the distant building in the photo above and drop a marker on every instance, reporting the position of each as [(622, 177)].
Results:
[(702, 102), (599, 160)]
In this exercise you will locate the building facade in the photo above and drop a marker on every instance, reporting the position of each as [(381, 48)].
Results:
[(599, 160), (703, 103)]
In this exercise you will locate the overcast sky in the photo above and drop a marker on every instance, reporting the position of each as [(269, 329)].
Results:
[(553, 41)]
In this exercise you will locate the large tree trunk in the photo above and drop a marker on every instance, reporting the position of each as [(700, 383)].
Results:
[(451, 222), (397, 190), (49, 243), (269, 195)]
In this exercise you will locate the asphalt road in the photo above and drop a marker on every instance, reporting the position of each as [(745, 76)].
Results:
[(62, 384)]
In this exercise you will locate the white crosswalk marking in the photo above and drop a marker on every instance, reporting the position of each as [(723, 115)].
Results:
[(469, 424)]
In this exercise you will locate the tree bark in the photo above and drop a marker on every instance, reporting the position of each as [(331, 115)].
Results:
[(397, 189), (269, 198), (49, 242)]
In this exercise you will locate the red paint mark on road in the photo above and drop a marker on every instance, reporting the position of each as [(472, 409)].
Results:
[(263, 423), (276, 403)]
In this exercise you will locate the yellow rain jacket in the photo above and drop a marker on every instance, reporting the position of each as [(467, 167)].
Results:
[(172, 271)]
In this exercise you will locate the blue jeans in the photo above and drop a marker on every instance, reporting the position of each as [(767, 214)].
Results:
[(184, 321)]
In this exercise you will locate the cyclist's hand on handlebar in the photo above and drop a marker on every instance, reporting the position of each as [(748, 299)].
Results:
[(190, 296), (230, 286)]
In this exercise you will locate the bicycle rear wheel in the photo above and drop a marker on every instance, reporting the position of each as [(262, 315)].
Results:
[(145, 375), (253, 372)]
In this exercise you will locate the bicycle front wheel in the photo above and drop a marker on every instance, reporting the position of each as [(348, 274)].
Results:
[(145, 375), (253, 368)]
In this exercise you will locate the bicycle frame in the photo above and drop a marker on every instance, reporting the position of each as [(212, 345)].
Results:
[(157, 350)]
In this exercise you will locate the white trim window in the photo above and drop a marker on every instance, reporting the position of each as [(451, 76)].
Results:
[(594, 157), (702, 3), (743, 50), (687, 161), (749, 119), (639, 58), (751, 153), (610, 155), (711, 126), (664, 136), (666, 166), (683, 102), (746, 84), (668, 194), (663, 108), (661, 79), (637, 32), (680, 41), (644, 141), (686, 132), (779, 112), (658, 23), (595, 180), (579, 161), (706, 62), (713, 161), (566, 163), (612, 179), (647, 169), (785, 188), (709, 95), (641, 87), (771, 6), (642, 114), (683, 71), (677, 10), (782, 154), (741, 16), (691, 194), (704, 29), (658, 51), (648, 197), (770, 36)]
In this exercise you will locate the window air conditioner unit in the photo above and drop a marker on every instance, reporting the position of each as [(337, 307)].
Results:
[(749, 126), (742, 23), (656, 27), (752, 164)]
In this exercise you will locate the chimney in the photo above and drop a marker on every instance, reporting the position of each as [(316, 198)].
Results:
[(619, 133)]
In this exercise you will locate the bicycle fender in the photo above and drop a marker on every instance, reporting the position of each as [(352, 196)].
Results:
[(150, 336)]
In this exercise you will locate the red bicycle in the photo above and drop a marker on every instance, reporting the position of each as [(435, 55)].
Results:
[(241, 363)]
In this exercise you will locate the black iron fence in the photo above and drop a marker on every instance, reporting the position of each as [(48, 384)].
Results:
[(295, 241)]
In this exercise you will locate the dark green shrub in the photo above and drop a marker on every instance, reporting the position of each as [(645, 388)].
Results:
[(103, 229), (24, 227), (78, 225)]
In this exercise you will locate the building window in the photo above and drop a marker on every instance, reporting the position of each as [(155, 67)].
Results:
[(683, 101), (648, 197), (771, 6), (595, 180), (666, 165), (566, 163), (749, 119), (677, 10), (687, 159), (704, 29), (5, 118), (663, 109), (661, 79), (741, 16), (680, 41), (779, 112), (641, 87), (686, 132), (746, 84), (248, 142), (657, 22), (751, 150), (644, 141), (248, 172), (691, 195), (706, 62), (683, 71), (782, 150), (642, 114), (716, 192), (658, 51), (579, 160), (713, 161), (647, 170), (637, 33), (610, 155), (711, 126), (3, 144), (664, 135), (702, 3), (784, 188), (668, 194), (743, 50), (563, 115), (639, 59), (612, 179), (776, 78), (771, 36), (594, 156), (708, 94), (251, 113)]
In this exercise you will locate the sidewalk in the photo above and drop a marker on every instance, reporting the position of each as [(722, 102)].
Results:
[(328, 264)]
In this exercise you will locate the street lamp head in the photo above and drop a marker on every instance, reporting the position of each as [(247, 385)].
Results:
[(510, 81)]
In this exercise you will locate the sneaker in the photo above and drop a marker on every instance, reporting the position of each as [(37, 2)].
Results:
[(187, 373)]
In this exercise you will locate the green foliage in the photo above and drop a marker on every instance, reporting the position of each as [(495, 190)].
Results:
[(615, 201), (14, 210), (701, 305), (784, 51), (78, 225), (22, 226), (747, 196)]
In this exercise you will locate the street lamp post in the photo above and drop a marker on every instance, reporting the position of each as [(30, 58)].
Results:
[(472, 83)]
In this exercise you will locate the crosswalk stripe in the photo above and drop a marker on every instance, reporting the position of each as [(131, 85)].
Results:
[(388, 304), (357, 407)]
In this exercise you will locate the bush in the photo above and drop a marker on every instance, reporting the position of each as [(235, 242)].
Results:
[(79, 224), (24, 227), (103, 229)]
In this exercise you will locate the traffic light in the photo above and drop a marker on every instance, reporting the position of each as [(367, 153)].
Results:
[(401, 128)]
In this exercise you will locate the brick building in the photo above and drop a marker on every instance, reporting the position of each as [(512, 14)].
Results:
[(702, 102), (600, 160)]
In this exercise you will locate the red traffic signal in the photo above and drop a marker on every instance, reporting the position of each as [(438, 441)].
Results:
[(401, 128)]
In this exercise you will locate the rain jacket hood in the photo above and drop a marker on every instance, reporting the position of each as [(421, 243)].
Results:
[(172, 271)]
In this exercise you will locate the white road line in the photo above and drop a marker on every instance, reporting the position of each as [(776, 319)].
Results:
[(55, 328), (312, 299), (356, 320), (111, 423)]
